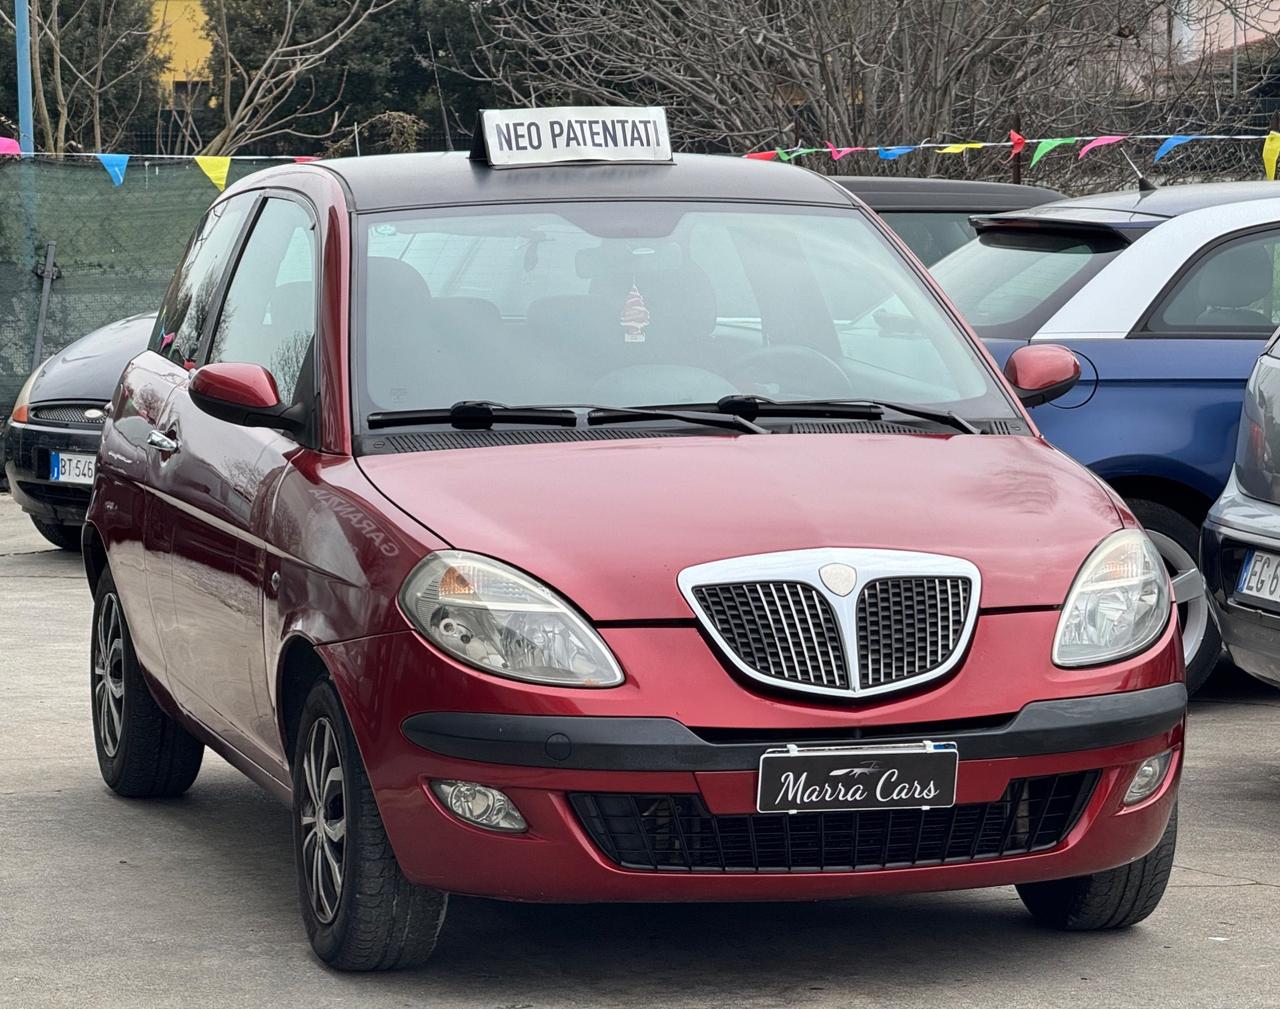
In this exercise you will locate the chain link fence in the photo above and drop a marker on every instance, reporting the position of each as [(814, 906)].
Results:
[(114, 248)]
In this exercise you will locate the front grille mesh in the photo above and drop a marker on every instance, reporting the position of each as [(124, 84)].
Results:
[(784, 630), (678, 833), (70, 414), (908, 626)]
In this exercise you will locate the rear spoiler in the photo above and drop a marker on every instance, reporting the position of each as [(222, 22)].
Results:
[(989, 222)]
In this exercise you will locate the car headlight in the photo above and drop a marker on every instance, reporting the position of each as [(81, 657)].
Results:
[(1118, 604), (20, 412), (498, 619)]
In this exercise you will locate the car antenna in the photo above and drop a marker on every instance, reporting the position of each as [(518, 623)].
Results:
[(1145, 185)]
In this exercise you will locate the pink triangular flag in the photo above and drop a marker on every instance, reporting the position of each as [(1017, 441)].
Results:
[(839, 152), (9, 146), (302, 159), (1101, 142)]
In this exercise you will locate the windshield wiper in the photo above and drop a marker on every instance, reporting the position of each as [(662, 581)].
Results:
[(752, 407), (722, 419), (478, 415)]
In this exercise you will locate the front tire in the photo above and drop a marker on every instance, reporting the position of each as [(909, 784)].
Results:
[(360, 911), (64, 537), (1178, 541), (1116, 898), (142, 752)]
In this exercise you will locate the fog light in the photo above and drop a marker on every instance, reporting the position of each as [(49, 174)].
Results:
[(1148, 777), (479, 804)]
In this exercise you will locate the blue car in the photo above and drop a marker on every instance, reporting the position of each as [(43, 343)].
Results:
[(1167, 296)]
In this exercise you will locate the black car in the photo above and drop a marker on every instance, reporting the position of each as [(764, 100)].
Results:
[(51, 439), (1240, 540), (932, 215)]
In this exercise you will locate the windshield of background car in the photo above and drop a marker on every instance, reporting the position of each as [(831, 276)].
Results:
[(642, 303), (1009, 283), (930, 234)]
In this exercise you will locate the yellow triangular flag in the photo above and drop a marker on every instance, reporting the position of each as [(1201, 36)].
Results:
[(1271, 148), (957, 148), (217, 168)]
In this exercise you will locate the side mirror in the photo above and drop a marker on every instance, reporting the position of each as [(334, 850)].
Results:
[(243, 394), (1040, 372)]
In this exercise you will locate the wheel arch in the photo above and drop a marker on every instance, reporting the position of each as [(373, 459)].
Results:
[(300, 667), (93, 553), (1183, 496)]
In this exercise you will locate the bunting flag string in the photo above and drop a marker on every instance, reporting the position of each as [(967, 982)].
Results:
[(115, 165), (1042, 146), (216, 169)]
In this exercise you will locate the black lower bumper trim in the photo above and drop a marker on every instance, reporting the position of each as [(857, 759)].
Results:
[(663, 744)]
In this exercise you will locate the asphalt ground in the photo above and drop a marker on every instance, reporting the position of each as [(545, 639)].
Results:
[(192, 902)]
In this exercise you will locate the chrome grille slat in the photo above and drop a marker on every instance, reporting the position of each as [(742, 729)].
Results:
[(909, 626)]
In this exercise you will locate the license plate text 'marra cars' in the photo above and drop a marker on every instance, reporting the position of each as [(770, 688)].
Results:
[(68, 467), (1260, 576), (818, 779)]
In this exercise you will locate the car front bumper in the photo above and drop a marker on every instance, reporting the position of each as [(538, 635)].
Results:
[(1251, 633), (555, 766), (27, 448)]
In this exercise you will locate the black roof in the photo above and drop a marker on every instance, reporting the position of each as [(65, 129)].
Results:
[(382, 182), (955, 195), (1139, 208)]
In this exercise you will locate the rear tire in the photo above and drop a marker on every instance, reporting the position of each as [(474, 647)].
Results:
[(1178, 541), (360, 911), (142, 752), (1116, 898), (63, 537)]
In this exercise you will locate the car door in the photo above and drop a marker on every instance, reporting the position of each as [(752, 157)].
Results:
[(217, 481), (1172, 388)]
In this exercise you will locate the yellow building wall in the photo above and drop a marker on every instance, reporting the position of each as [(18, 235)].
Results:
[(186, 49)]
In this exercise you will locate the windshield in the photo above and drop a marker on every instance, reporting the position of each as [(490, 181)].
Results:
[(930, 234), (1007, 284), (632, 304)]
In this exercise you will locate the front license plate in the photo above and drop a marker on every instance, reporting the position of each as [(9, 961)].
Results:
[(1260, 576), (71, 467), (907, 776)]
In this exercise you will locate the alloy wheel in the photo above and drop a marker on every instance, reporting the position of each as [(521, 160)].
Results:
[(1188, 592), (108, 674), (323, 813)]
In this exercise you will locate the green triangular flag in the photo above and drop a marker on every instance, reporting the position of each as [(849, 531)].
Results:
[(1045, 146)]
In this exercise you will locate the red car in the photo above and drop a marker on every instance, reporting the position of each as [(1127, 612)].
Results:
[(576, 522)]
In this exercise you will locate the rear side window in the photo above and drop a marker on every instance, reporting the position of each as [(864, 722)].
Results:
[(1009, 283), (269, 315), (930, 234), (1231, 290), (190, 299)]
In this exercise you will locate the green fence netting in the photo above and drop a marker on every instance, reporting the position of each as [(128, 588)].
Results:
[(115, 247)]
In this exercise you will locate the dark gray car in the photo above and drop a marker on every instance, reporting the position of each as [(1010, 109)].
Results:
[(51, 439), (1240, 541)]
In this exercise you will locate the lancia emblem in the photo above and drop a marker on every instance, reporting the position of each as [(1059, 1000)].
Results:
[(839, 578)]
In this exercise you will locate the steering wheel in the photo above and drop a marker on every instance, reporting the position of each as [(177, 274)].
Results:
[(791, 368)]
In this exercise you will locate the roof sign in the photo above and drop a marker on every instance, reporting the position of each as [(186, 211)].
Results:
[(512, 137)]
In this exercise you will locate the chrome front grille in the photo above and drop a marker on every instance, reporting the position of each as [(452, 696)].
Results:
[(908, 626), (842, 622), (786, 630)]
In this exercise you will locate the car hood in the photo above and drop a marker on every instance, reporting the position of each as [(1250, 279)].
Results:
[(90, 368), (610, 524)]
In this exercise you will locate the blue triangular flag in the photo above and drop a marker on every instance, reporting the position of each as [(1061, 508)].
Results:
[(889, 153), (1171, 143), (115, 165)]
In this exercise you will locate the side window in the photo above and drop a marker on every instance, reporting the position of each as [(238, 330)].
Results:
[(182, 316), (1232, 289), (269, 314)]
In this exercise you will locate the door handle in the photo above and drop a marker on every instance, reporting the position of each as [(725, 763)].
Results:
[(163, 442)]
